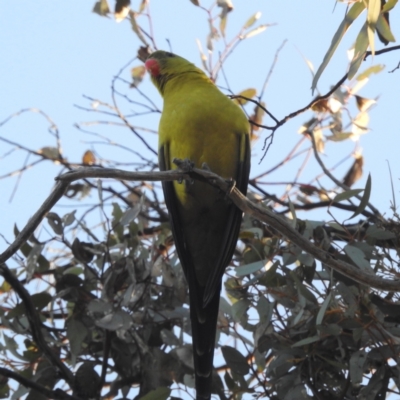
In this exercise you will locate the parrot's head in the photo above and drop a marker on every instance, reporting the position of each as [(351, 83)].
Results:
[(162, 66)]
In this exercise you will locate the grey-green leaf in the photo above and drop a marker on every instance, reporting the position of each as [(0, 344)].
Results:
[(350, 17)]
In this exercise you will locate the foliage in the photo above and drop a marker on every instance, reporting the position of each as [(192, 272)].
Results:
[(99, 305)]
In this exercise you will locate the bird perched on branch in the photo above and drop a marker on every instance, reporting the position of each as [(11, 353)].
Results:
[(200, 124)]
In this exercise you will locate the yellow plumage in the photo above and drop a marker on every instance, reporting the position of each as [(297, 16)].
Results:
[(201, 124)]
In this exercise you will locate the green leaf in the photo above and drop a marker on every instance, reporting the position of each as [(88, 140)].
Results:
[(252, 20), (250, 268), (76, 334), (323, 308), (374, 9), (358, 257), (239, 310), (357, 362), (348, 194), (265, 309), (39, 300), (384, 29), (161, 393), (374, 232), (365, 198), (303, 342), (350, 17), (235, 360), (254, 32), (389, 5), (101, 8), (360, 49), (369, 71)]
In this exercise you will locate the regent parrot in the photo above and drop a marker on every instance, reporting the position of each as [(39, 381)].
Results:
[(201, 124)]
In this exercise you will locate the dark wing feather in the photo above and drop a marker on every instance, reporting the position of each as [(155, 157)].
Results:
[(204, 302), (233, 225), (203, 319)]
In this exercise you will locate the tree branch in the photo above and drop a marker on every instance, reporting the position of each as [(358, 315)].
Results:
[(57, 394)]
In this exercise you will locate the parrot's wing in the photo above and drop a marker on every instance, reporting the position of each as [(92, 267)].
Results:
[(232, 228), (203, 318)]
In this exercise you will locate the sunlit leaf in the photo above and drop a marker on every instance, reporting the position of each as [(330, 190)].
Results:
[(321, 106), (360, 124), (384, 29), (122, 8), (363, 104), (225, 4), (339, 137), (319, 140), (257, 117), (360, 49), (252, 20), (51, 153), (88, 158), (254, 32), (203, 57), (137, 74), (390, 4), (101, 8), (247, 94), (374, 9), (143, 5)]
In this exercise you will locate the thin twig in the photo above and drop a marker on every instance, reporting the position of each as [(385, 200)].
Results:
[(332, 177)]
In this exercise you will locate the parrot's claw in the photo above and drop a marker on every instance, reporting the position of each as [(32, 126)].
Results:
[(185, 165), (232, 183), (205, 166)]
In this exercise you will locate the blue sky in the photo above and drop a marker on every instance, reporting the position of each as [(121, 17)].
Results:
[(53, 53)]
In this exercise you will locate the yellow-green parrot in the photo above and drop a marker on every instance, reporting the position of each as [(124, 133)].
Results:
[(201, 124)]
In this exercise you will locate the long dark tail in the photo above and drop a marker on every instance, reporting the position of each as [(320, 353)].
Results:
[(204, 328)]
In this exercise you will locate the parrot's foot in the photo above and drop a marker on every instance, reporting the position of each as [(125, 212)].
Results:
[(185, 165), (205, 167)]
